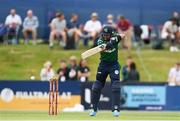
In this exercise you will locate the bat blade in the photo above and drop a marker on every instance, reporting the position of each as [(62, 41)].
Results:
[(91, 52)]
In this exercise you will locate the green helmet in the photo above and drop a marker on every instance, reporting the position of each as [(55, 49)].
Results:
[(107, 30)]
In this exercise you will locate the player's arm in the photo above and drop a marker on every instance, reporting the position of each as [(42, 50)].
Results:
[(114, 40), (52, 25), (80, 74)]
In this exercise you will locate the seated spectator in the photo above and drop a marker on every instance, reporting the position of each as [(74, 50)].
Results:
[(13, 23), (137, 34), (146, 33), (142, 34), (58, 29), (124, 26), (63, 71), (133, 74), (169, 32), (47, 71), (92, 28), (83, 71), (73, 68), (110, 21), (174, 75), (30, 25), (125, 68), (73, 31)]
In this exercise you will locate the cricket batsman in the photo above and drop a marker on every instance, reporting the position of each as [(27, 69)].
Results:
[(108, 65)]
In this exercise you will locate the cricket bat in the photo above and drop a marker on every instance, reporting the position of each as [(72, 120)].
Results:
[(92, 51)]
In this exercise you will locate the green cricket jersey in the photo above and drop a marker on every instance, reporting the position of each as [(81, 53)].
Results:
[(109, 54)]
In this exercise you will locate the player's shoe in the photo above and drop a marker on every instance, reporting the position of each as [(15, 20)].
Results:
[(115, 113), (92, 113)]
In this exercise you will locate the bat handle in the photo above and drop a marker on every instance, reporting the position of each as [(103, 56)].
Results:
[(102, 46)]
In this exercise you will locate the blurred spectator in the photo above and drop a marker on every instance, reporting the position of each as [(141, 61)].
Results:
[(133, 74), (126, 67), (47, 71), (3, 31), (63, 71), (13, 22), (177, 17), (137, 34), (83, 71), (73, 31), (73, 68), (146, 32), (174, 75), (110, 21), (30, 25), (170, 32), (125, 27), (58, 29), (92, 28), (142, 34)]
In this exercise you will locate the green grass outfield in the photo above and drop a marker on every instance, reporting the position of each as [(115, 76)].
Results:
[(20, 62), (83, 116)]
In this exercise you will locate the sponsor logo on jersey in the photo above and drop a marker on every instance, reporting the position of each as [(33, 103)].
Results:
[(116, 72)]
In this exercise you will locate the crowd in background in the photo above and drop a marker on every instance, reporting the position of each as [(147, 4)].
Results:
[(70, 32), (171, 31), (13, 23), (74, 71), (70, 70)]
